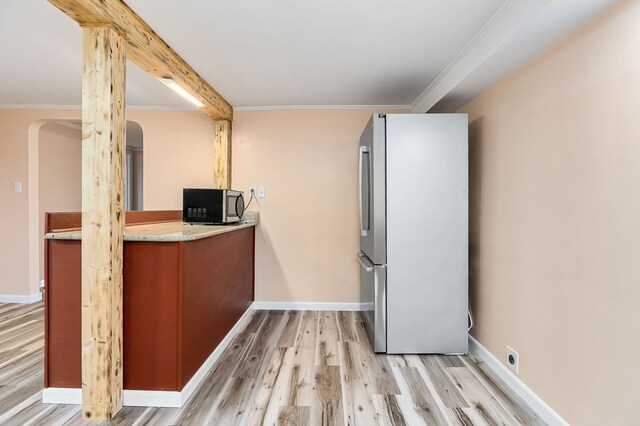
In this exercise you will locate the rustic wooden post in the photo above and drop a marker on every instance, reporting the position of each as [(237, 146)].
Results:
[(222, 152), (103, 151)]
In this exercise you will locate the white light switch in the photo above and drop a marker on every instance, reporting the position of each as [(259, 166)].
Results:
[(17, 186), (261, 191)]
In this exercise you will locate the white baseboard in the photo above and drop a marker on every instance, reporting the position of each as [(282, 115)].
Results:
[(62, 396), (144, 398), (11, 298), (544, 411), (312, 306)]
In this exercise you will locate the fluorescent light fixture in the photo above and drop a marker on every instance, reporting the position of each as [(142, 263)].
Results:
[(180, 91)]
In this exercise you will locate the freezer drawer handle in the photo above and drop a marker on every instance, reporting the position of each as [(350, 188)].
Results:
[(364, 262)]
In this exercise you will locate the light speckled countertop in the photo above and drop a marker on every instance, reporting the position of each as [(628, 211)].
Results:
[(168, 231)]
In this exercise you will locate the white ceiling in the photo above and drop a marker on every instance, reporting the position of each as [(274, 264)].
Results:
[(284, 52), (41, 51)]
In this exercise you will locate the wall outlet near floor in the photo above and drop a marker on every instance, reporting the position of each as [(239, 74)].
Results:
[(512, 360), (261, 191), (252, 192)]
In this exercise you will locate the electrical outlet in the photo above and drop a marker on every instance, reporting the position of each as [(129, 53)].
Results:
[(252, 191), (17, 186), (261, 191), (512, 360)]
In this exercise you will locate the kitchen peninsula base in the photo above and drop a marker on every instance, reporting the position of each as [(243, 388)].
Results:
[(185, 287)]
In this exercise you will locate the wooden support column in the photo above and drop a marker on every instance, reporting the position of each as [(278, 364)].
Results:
[(222, 152), (103, 152)]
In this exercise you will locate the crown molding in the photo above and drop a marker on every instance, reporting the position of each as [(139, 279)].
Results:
[(131, 107), (297, 107), (26, 106), (507, 20)]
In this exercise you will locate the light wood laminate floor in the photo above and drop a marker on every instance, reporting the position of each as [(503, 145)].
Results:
[(286, 368)]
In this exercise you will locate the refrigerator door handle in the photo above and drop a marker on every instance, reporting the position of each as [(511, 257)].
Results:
[(364, 230), (364, 262)]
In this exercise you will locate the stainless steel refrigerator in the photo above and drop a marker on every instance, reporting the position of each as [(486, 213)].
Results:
[(414, 232)]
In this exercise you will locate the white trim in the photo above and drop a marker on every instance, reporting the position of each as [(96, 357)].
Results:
[(286, 107), (242, 108), (541, 408), (164, 107), (14, 298), (25, 106), (62, 396), (136, 107), (144, 398), (507, 20), (312, 306)]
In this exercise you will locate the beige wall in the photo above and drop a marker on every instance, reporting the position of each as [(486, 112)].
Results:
[(178, 153), (59, 174), (178, 150), (555, 221), (18, 245), (307, 240)]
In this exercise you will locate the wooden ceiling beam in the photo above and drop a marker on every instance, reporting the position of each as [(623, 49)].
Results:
[(147, 49)]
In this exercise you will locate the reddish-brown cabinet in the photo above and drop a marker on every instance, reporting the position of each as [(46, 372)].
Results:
[(181, 298)]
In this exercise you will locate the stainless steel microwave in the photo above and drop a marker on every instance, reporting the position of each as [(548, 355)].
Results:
[(214, 206)]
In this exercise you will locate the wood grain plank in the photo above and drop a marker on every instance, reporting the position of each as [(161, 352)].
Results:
[(30, 413), (19, 331), (357, 401), (57, 415), (17, 368), (256, 321), (288, 336), (465, 417), (294, 382), (264, 392), (264, 340), (157, 416), (198, 408), (14, 395), (444, 386), (301, 392), (478, 396), (448, 360), (347, 327), (293, 416), (424, 403), (518, 410), (233, 403), (388, 406), (326, 408), (376, 367), (327, 342)]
